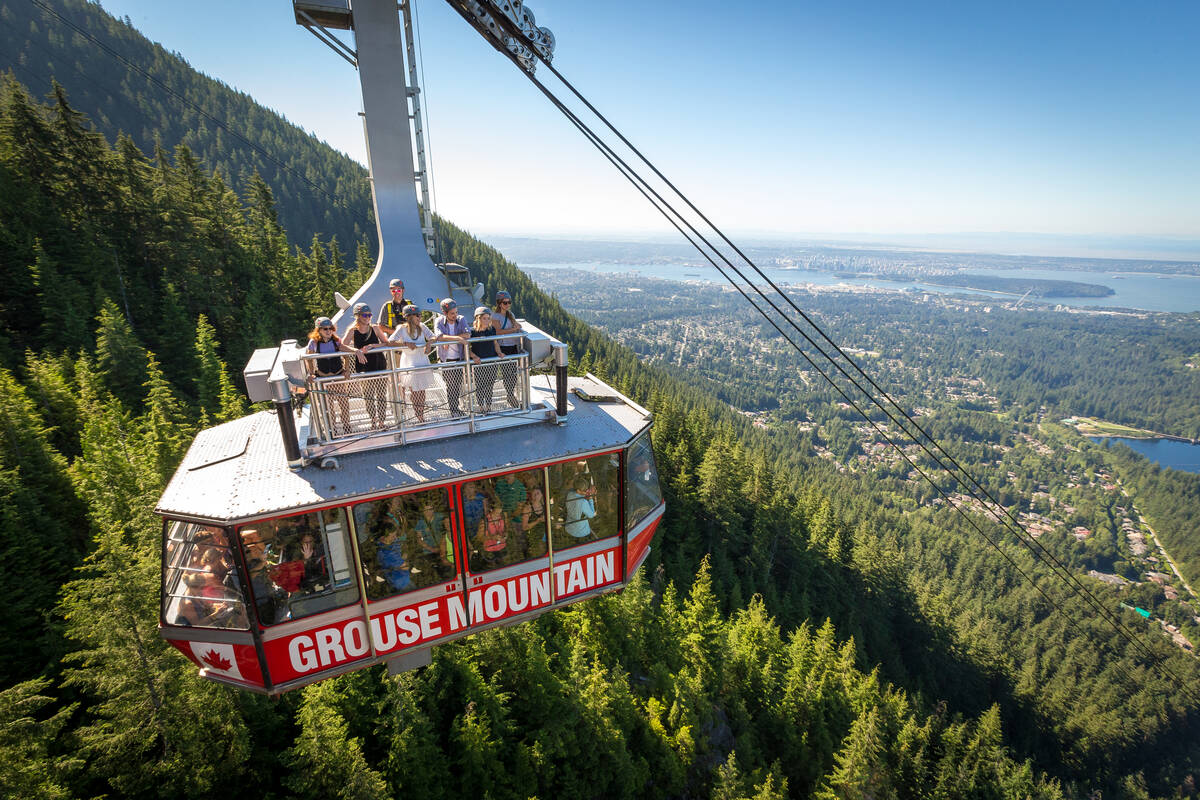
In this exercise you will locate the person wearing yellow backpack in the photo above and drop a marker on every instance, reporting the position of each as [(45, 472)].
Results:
[(392, 314)]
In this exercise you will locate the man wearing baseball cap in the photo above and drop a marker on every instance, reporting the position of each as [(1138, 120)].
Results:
[(451, 327)]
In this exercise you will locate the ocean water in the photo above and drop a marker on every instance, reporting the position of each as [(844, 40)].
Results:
[(1137, 290), (1164, 452)]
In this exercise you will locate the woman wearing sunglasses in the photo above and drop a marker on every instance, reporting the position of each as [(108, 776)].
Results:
[(503, 321), (366, 337), (324, 339)]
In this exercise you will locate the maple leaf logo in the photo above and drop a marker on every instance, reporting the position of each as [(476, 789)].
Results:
[(216, 660)]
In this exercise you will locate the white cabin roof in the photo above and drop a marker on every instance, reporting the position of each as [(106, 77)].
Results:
[(238, 471)]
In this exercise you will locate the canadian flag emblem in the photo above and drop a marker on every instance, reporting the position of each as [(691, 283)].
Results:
[(217, 658)]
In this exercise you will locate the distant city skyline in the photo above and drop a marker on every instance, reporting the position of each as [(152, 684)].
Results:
[(780, 120)]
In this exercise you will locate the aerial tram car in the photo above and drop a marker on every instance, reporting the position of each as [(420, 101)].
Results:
[(399, 509)]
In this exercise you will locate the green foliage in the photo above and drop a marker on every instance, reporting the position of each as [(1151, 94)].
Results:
[(323, 191), (100, 236), (28, 766), (120, 358), (150, 727), (324, 761), (42, 533), (838, 646)]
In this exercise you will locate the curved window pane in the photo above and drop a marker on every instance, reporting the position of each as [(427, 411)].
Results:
[(583, 500), (505, 519), (642, 492), (200, 584), (299, 566), (405, 543)]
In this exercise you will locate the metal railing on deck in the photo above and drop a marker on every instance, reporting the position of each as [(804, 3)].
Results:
[(400, 400)]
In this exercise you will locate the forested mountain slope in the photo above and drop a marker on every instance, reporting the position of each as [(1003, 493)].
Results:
[(317, 189), (655, 693), (800, 629)]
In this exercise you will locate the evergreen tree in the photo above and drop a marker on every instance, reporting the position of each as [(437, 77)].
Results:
[(50, 386), (324, 761), (28, 733), (42, 534), (120, 358), (210, 373), (860, 771), (151, 726), (164, 428)]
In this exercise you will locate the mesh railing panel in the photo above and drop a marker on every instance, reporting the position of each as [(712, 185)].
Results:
[(499, 386), (396, 400)]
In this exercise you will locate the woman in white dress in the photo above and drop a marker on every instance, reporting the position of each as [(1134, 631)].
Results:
[(416, 341)]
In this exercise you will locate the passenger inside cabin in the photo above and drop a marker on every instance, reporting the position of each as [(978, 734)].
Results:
[(407, 533), (310, 553), (511, 492), (492, 534), (191, 610), (473, 502), (529, 528), (643, 492), (433, 528), (267, 595), (580, 508), (299, 566), (207, 601), (389, 556), (531, 515)]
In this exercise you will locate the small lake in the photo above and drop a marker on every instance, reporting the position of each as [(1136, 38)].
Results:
[(1140, 290), (1164, 452)]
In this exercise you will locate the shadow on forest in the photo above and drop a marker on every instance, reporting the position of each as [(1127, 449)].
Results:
[(880, 612)]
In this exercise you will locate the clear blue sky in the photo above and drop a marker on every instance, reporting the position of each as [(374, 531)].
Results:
[(797, 118)]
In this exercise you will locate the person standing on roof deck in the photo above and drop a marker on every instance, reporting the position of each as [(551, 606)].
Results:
[(324, 339), (503, 321), (391, 316), (367, 337), (451, 327), (417, 341), (484, 378)]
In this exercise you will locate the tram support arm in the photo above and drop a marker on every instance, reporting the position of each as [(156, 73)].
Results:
[(281, 398), (560, 375)]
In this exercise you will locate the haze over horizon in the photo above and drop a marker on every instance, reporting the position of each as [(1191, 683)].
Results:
[(1072, 126)]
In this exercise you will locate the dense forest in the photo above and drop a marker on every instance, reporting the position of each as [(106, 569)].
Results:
[(164, 103), (795, 634)]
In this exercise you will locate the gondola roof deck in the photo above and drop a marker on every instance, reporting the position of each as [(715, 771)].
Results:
[(238, 471)]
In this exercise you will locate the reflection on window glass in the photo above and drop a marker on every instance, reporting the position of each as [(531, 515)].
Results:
[(405, 543), (583, 499), (642, 492), (200, 585), (505, 519), (299, 566)]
